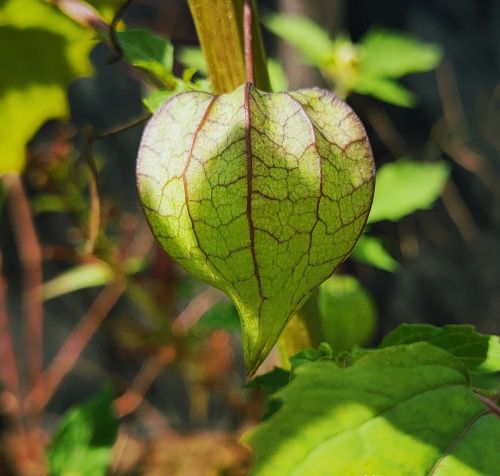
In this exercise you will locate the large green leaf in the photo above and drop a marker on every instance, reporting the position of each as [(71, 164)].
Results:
[(261, 195), (479, 352), (83, 440), (42, 52), (405, 186), (405, 410)]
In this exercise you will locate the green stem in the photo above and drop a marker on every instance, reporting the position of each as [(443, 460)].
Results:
[(219, 24)]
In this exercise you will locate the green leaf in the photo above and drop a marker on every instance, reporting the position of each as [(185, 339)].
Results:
[(369, 250), (83, 440), (192, 57), (43, 52), (393, 54), (80, 277), (405, 410), (479, 352), (271, 381), (148, 51), (260, 195), (348, 313), (322, 352), (222, 315), (159, 97), (405, 186), (384, 89), (312, 41), (277, 75)]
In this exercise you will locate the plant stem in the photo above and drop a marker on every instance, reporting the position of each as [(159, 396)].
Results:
[(247, 40), (72, 348), (31, 262), (8, 369), (219, 24)]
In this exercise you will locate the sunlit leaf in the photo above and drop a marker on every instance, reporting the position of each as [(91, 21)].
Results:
[(405, 410), (83, 440), (392, 54), (148, 51), (405, 186), (261, 195), (384, 89), (348, 313), (42, 52), (311, 40), (369, 250), (479, 352), (277, 75), (193, 58), (80, 277)]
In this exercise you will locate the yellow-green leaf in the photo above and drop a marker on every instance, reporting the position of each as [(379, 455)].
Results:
[(42, 52)]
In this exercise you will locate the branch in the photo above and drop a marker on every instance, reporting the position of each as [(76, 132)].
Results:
[(31, 262), (70, 351)]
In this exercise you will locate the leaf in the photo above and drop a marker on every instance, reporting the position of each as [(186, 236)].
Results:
[(392, 54), (384, 89), (479, 352), (148, 51), (348, 313), (260, 195), (45, 52), (159, 97), (193, 58), (405, 186), (322, 352), (222, 315), (369, 250), (277, 75), (311, 40), (84, 276), (82, 443), (271, 381), (405, 410)]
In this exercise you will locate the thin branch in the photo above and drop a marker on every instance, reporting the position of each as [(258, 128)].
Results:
[(120, 128), (195, 309), (70, 351), (95, 204), (247, 41), (134, 395), (112, 30), (8, 369), (31, 262)]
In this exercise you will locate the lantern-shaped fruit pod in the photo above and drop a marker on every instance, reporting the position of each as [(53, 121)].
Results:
[(262, 195)]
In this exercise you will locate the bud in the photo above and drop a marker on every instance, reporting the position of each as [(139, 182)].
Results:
[(262, 195)]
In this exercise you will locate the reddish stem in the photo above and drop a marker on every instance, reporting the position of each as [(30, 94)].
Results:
[(247, 40), (8, 368), (72, 348), (31, 262)]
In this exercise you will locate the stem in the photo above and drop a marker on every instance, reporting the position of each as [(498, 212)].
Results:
[(219, 24), (31, 262), (247, 40), (72, 348), (8, 369)]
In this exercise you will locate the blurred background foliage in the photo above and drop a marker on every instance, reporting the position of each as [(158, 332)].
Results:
[(75, 248)]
